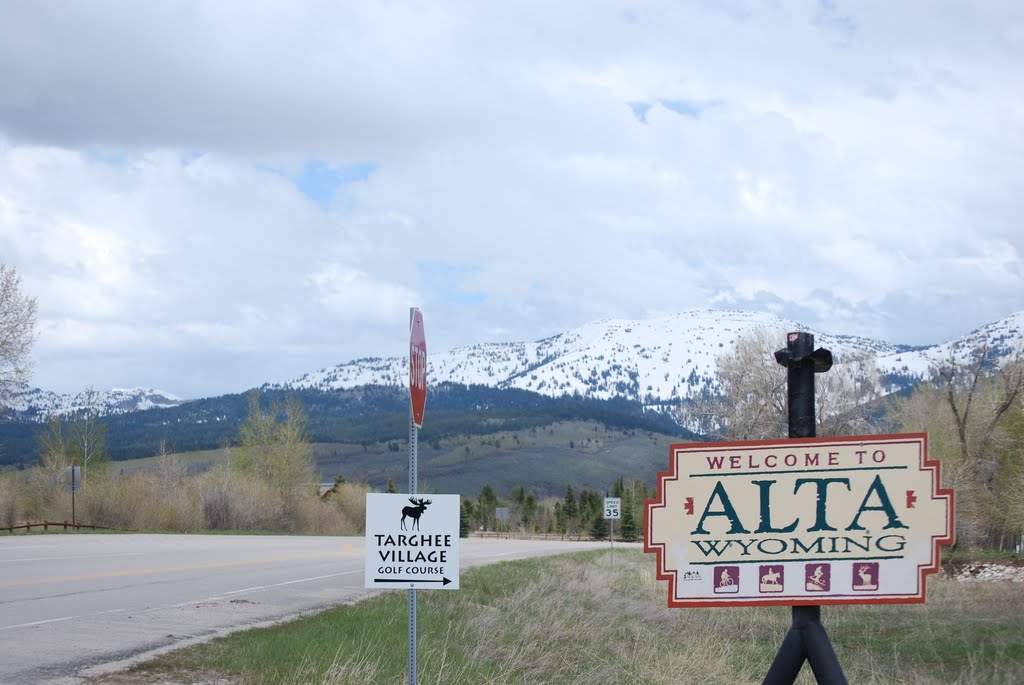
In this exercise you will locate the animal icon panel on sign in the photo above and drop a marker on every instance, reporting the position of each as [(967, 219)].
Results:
[(414, 512), (772, 578)]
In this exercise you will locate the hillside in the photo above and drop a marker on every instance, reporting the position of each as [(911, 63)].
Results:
[(542, 459), (363, 416), (624, 374)]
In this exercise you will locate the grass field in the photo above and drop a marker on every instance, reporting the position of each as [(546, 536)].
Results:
[(580, 619)]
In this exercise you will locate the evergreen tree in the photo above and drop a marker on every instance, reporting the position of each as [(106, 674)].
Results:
[(465, 515), (619, 488), (529, 509), (570, 510), (391, 486), (591, 502), (628, 529), (560, 517), (487, 502), (599, 526)]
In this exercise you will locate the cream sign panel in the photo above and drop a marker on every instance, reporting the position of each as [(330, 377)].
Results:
[(855, 520)]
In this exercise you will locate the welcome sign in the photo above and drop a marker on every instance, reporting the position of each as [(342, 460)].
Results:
[(851, 520)]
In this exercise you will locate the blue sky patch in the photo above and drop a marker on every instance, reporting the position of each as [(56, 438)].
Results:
[(319, 181), (687, 108), (640, 110)]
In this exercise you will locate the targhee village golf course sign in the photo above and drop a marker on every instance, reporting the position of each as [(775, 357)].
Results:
[(810, 521)]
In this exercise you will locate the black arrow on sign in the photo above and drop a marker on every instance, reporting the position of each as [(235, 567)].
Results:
[(443, 581)]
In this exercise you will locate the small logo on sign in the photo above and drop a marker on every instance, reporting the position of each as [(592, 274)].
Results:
[(865, 576), (414, 512), (818, 577), (772, 578), (727, 579), (691, 576)]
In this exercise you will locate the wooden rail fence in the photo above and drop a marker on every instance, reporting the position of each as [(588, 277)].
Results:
[(46, 525)]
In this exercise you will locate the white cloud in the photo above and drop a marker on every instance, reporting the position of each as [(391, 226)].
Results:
[(854, 166)]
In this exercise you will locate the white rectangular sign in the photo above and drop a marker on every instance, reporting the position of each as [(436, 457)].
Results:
[(412, 542), (612, 507)]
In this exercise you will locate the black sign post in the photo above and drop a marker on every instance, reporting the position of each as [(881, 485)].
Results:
[(806, 639)]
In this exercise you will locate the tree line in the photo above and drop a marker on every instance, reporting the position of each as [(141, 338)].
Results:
[(579, 513)]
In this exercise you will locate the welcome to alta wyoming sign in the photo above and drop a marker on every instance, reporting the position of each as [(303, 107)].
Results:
[(853, 520)]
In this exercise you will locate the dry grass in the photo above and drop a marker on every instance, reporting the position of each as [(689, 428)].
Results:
[(167, 498), (577, 620)]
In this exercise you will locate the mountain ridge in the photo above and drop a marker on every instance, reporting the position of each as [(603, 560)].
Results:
[(656, 362), (659, 360)]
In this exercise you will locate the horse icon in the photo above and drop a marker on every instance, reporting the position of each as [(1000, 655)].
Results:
[(771, 579)]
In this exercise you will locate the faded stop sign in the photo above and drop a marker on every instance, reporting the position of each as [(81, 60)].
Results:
[(417, 366)]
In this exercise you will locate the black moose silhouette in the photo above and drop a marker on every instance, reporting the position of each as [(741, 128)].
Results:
[(414, 512)]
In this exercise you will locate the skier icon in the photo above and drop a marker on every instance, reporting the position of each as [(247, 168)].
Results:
[(818, 577)]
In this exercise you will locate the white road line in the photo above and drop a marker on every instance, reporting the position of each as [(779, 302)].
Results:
[(37, 623), (181, 604), (304, 580), (84, 556), (28, 547), (291, 582), (258, 588)]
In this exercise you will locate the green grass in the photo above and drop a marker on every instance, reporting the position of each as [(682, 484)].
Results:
[(576, 619)]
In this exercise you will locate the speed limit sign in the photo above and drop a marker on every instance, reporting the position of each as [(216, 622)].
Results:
[(612, 507)]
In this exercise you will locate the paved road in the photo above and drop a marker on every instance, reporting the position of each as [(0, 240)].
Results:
[(74, 603)]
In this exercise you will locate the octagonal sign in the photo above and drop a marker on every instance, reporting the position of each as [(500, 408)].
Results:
[(417, 367)]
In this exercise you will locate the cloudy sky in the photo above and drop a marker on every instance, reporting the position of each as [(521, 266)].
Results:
[(204, 196)]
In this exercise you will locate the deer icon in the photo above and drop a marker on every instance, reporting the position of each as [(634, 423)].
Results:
[(415, 512)]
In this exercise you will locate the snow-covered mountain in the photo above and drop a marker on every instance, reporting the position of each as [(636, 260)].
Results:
[(653, 361), (36, 404)]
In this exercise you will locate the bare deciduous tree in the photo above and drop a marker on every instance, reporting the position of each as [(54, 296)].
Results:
[(752, 400), (274, 445), (752, 403), (845, 395), (969, 412), (87, 435), (17, 334), (978, 394)]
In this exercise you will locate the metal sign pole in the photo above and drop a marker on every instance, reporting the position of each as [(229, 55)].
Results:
[(417, 402), (806, 639), (611, 541), (413, 435)]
